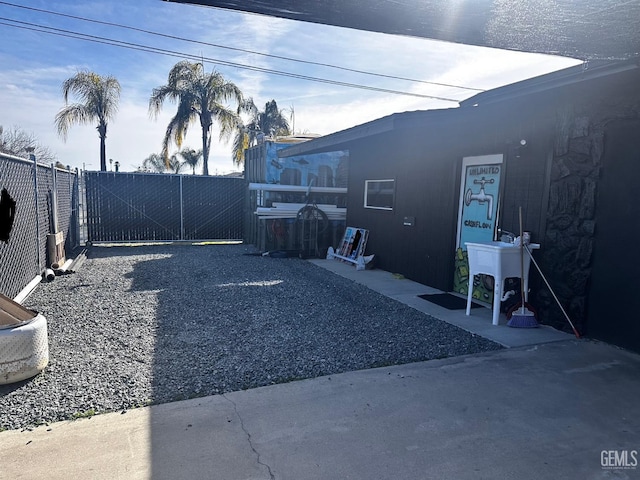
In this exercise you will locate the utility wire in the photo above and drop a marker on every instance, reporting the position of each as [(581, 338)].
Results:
[(279, 57), (146, 48)]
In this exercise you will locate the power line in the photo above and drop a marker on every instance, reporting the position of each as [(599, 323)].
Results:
[(134, 46), (174, 37)]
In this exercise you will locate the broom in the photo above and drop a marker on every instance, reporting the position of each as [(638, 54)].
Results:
[(575, 331), (522, 317)]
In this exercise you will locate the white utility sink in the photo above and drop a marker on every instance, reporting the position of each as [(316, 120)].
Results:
[(501, 260)]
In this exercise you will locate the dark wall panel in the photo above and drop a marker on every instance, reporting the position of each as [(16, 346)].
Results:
[(613, 298), (426, 164), (424, 183)]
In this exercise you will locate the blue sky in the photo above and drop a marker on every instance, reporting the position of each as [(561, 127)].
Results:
[(35, 64)]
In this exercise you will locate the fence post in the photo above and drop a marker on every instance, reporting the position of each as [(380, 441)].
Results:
[(71, 235), (75, 201), (181, 211), (32, 157), (54, 199)]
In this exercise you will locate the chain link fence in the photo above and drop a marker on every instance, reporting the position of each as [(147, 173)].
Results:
[(106, 207), (43, 195), (131, 207)]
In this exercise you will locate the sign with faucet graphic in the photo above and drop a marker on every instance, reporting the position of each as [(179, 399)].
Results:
[(481, 197), (480, 203), (479, 192)]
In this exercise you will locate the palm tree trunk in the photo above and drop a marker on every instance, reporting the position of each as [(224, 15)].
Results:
[(102, 131), (205, 151)]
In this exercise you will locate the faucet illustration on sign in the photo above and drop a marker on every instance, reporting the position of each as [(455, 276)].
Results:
[(481, 197)]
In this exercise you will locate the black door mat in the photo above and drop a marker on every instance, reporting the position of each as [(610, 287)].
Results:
[(448, 301)]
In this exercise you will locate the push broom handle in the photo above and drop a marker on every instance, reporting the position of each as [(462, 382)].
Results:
[(552, 292), (522, 292)]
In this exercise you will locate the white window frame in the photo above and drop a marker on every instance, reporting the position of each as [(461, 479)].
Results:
[(366, 193)]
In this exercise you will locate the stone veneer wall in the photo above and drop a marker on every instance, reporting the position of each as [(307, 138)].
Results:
[(571, 215)]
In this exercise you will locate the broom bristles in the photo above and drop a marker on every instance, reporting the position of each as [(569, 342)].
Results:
[(523, 320)]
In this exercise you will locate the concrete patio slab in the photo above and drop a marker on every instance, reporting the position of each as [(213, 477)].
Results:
[(479, 322), (542, 412)]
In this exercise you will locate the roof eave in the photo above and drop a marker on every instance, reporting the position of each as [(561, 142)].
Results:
[(341, 140), (333, 141), (561, 78)]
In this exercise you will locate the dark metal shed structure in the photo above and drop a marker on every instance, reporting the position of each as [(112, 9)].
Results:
[(575, 180)]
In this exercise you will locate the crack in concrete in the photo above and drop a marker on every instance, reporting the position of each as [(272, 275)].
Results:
[(249, 439)]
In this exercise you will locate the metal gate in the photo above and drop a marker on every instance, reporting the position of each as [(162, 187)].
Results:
[(163, 207)]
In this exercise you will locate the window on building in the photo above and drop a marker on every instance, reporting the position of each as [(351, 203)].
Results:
[(379, 194)]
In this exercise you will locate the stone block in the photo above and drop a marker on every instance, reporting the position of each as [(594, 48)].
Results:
[(559, 170), (588, 204), (580, 127), (580, 145), (584, 252), (588, 227)]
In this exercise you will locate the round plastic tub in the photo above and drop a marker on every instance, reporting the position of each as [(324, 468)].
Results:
[(24, 350)]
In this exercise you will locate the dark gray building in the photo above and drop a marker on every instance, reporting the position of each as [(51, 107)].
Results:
[(564, 146)]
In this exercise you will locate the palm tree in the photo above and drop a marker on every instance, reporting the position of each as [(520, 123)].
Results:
[(191, 157), (154, 163), (200, 96), (98, 97), (157, 163), (271, 122), (175, 165)]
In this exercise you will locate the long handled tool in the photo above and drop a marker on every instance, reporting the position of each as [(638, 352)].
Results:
[(552, 292), (522, 317)]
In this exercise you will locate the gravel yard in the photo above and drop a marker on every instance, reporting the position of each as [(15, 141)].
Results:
[(153, 324)]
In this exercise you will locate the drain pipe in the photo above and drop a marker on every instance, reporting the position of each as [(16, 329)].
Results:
[(49, 275), (61, 269), (26, 291), (78, 261)]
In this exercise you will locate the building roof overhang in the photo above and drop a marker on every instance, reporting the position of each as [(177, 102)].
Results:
[(344, 138), (585, 29), (422, 119)]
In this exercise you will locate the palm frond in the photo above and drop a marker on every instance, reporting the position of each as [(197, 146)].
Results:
[(200, 96), (73, 114), (154, 163), (240, 144), (98, 100)]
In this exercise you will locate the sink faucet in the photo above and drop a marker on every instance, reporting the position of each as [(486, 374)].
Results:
[(511, 237)]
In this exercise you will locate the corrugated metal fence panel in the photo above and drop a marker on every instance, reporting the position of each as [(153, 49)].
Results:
[(24, 256), (153, 207)]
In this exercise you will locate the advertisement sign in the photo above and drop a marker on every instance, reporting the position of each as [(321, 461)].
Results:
[(327, 169), (477, 214)]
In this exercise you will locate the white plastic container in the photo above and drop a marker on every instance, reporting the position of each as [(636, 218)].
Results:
[(24, 344)]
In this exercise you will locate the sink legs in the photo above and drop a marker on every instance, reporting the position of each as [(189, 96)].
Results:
[(469, 294), (497, 297)]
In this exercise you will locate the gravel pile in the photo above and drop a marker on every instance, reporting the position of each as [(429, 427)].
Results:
[(153, 324)]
